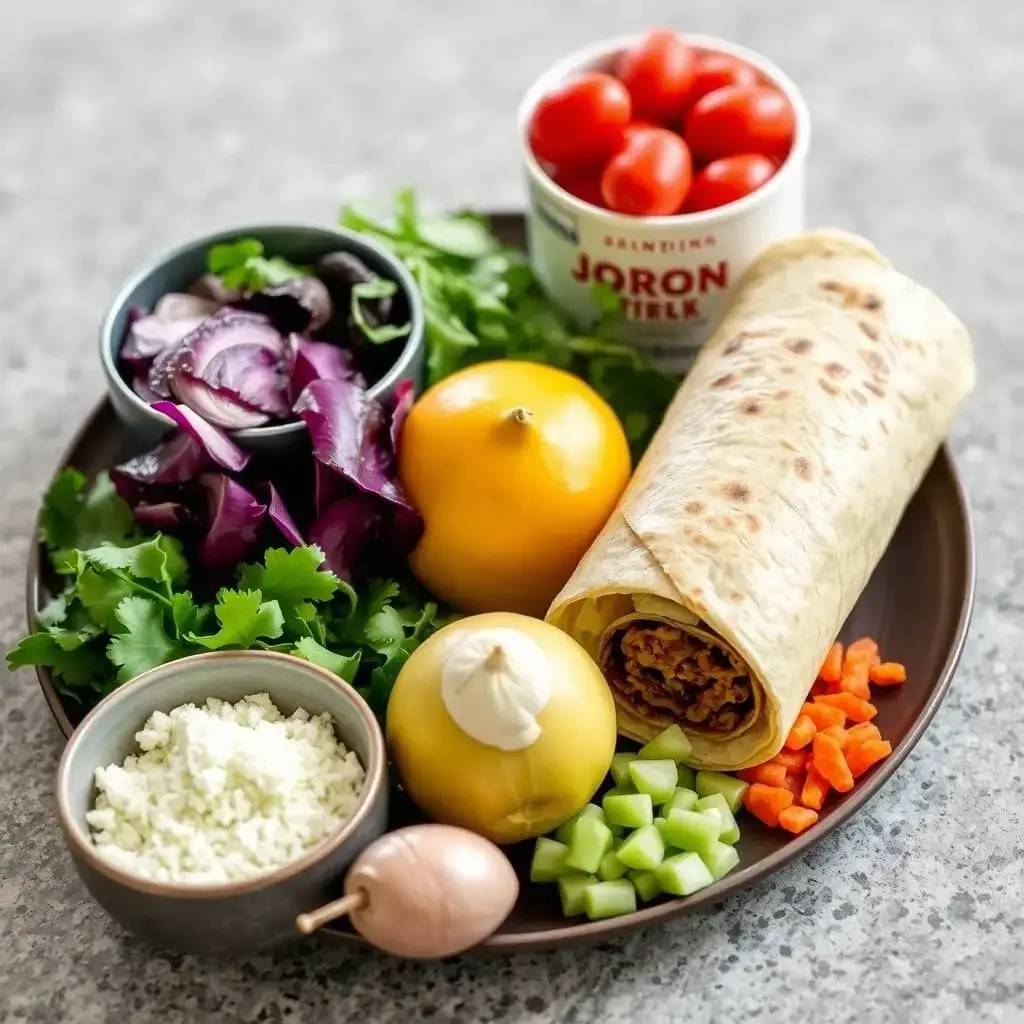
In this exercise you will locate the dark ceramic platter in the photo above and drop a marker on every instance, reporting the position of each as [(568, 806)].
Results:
[(917, 604)]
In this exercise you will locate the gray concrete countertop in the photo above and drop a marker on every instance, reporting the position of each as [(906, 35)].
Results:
[(126, 125)]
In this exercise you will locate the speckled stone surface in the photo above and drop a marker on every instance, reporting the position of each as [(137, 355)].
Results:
[(125, 125)]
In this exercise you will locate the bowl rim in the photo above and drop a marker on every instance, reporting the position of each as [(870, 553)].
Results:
[(350, 241), (588, 57), (373, 784)]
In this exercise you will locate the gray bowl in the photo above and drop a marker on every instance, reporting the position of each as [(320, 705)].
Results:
[(224, 917), (179, 268)]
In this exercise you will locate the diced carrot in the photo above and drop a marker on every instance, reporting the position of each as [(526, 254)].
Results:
[(820, 686), (797, 819), (839, 734), (815, 789), (822, 715), (888, 673), (829, 760), (863, 732), (832, 667), (767, 802), (795, 784), (792, 760), (856, 710), (855, 680), (801, 734), (769, 774), (865, 648), (861, 756)]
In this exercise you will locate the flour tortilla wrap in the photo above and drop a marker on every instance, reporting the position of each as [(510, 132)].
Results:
[(768, 496)]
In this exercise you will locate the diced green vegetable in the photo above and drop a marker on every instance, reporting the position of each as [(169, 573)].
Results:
[(691, 830), (620, 771), (687, 777), (611, 867), (730, 831), (609, 899), (720, 859), (656, 778), (571, 887), (683, 874), (548, 860), (564, 831), (670, 743), (680, 800), (659, 823), (643, 849), (591, 840), (728, 785), (633, 810), (646, 884)]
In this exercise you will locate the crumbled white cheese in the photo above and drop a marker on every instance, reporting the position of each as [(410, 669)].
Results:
[(223, 792)]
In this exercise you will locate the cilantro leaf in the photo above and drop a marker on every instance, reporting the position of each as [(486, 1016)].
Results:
[(99, 593), (144, 642), (158, 558), (54, 611), (61, 505), (73, 517), (244, 617), (291, 576), (242, 265), (343, 665), (86, 667), (377, 289), (187, 616)]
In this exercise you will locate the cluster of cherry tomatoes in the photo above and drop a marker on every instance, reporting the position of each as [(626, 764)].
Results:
[(674, 130)]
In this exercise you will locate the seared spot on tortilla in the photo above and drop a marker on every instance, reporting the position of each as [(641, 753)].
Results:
[(736, 597), (872, 302), (735, 344), (875, 361), (736, 491), (832, 286), (781, 394), (884, 427), (864, 443), (915, 345), (874, 388), (751, 407), (828, 388), (799, 345), (803, 468), (858, 397), (703, 541), (869, 329), (693, 508), (726, 522), (787, 370), (836, 370), (724, 381), (753, 523)]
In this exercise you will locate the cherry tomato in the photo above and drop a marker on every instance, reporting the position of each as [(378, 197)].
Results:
[(726, 180), (740, 119), (585, 185), (580, 122), (649, 176), (716, 71), (658, 73)]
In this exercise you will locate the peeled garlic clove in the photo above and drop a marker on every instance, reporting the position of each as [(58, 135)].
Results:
[(494, 684)]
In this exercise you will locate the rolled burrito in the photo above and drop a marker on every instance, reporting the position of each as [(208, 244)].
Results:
[(768, 496)]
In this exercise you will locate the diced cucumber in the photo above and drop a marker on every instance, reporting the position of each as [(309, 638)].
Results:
[(728, 785), (715, 815), (683, 874), (730, 831), (609, 899), (646, 884), (680, 800), (548, 860), (571, 887), (611, 867), (564, 831), (633, 810), (643, 849), (689, 830), (670, 743), (591, 840), (659, 823), (720, 859), (687, 777), (620, 771), (656, 778)]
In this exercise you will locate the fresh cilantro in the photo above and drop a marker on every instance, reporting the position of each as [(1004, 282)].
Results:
[(76, 517), (244, 617), (376, 289), (343, 665), (482, 301), (142, 643), (241, 265), (290, 577), (85, 668)]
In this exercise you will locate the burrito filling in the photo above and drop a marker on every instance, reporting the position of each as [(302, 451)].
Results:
[(660, 670)]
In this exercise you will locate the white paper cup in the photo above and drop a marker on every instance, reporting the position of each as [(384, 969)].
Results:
[(674, 275)]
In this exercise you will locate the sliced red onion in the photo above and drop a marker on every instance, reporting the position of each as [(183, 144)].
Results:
[(213, 442), (405, 395), (235, 518), (251, 374), (164, 515), (222, 409), (140, 385), (176, 306), (174, 462), (281, 517), (320, 360), (148, 336), (343, 531)]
